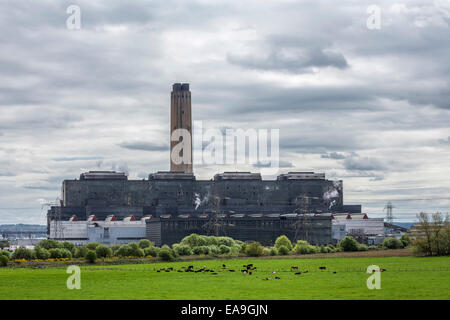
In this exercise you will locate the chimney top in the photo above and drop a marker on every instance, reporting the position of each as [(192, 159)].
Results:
[(180, 87)]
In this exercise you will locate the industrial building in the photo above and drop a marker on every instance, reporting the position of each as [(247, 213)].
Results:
[(172, 204), (364, 229)]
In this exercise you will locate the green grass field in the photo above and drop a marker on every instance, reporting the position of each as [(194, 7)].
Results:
[(405, 278)]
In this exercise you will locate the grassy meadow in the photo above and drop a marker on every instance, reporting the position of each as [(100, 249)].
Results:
[(404, 278)]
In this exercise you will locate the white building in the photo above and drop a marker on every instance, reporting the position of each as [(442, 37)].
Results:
[(107, 232), (360, 226)]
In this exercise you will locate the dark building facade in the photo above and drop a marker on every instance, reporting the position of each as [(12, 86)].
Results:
[(175, 203)]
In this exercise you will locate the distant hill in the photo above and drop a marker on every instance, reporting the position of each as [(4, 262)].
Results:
[(406, 225), (22, 228)]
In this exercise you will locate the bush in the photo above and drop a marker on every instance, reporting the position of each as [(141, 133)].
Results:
[(226, 241), (213, 249), (93, 245), (373, 248), (254, 249), (283, 250), (273, 251), (3, 260), (283, 241), (145, 243), (124, 251), (197, 250), (49, 244), (224, 249), (392, 243), (80, 252), (5, 253), (23, 253), (114, 248), (103, 251), (91, 256), (68, 245), (183, 250), (165, 254), (406, 240), (194, 240), (362, 247), (348, 244), (42, 253), (151, 251), (55, 253), (65, 253)]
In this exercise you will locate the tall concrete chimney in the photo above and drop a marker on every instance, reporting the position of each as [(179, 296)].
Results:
[(181, 118)]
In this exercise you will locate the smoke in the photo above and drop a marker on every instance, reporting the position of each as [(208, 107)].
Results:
[(331, 194), (197, 200)]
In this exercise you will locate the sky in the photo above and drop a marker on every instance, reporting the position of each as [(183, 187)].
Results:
[(370, 106)]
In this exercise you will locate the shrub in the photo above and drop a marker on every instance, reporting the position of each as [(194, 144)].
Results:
[(197, 250), (124, 251), (115, 247), (283, 241), (49, 244), (273, 251), (42, 253), (5, 253), (55, 253), (406, 240), (145, 243), (362, 247), (91, 256), (68, 245), (254, 249), (392, 243), (93, 245), (23, 253), (373, 248), (224, 249), (65, 253), (103, 251), (183, 250), (165, 254), (213, 249), (348, 244), (226, 241), (80, 252), (3, 260), (151, 251), (283, 250), (194, 240)]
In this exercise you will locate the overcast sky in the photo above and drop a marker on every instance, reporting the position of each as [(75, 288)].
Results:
[(368, 106)]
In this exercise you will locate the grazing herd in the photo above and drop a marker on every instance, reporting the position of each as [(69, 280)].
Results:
[(247, 269)]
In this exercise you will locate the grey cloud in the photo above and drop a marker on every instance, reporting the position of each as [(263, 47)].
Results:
[(333, 155), (363, 163), (145, 146)]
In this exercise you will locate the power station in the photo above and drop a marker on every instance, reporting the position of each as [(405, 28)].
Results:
[(172, 204)]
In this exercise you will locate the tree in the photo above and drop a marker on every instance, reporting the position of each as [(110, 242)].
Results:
[(145, 243), (283, 241), (283, 250), (348, 244), (165, 254), (23, 253), (392, 243), (254, 249), (3, 260), (406, 240), (4, 244), (432, 237), (103, 251), (93, 245), (91, 256)]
